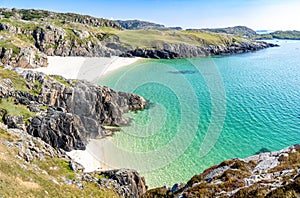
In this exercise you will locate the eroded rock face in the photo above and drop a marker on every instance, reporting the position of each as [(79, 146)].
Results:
[(26, 57), (77, 111), (183, 50), (271, 174), (127, 183)]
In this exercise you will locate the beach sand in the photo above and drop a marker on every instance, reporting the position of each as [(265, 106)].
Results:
[(85, 68), (92, 158), (90, 69)]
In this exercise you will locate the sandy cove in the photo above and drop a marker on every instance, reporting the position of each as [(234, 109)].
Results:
[(85, 68), (90, 69)]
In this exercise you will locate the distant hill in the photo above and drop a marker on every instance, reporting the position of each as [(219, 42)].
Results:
[(144, 25), (242, 31), (292, 35)]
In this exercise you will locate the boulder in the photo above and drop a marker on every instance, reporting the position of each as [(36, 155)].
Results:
[(127, 183)]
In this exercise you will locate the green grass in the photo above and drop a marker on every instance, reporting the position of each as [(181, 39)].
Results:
[(19, 83), (8, 44), (23, 24), (60, 80), (15, 110), (16, 181), (156, 38)]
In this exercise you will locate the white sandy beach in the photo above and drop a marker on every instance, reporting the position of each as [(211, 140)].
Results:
[(92, 158), (85, 68)]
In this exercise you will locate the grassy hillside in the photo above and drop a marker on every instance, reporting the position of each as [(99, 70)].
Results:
[(156, 38), (241, 31), (68, 31), (20, 179)]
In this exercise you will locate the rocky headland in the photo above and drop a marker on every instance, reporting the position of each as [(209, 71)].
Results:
[(27, 37), (68, 112), (271, 174), (43, 116)]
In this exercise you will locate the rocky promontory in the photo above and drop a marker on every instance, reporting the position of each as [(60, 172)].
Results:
[(27, 37), (67, 112), (271, 174), (42, 117)]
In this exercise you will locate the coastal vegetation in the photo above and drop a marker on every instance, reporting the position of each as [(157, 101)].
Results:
[(37, 178), (27, 37), (290, 35)]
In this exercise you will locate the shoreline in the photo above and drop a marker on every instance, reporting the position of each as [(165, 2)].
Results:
[(88, 159), (85, 68), (90, 69)]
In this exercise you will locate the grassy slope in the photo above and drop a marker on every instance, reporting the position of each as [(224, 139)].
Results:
[(17, 181), (134, 38), (151, 38)]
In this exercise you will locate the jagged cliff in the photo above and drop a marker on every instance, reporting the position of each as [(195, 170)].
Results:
[(27, 37), (65, 113), (42, 117)]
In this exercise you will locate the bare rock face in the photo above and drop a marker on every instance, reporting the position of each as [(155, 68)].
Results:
[(6, 88), (77, 111), (27, 57), (183, 50), (271, 174), (127, 183)]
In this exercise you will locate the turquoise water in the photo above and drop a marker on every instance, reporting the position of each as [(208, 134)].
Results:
[(205, 110)]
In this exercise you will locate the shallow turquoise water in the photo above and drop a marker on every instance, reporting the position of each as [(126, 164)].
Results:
[(205, 110)]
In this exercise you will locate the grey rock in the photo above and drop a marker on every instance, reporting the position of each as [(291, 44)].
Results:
[(127, 183), (76, 111), (6, 88), (76, 166), (13, 121), (218, 171)]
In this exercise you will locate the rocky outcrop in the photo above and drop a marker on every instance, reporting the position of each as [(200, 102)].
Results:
[(24, 57), (139, 25), (38, 33), (30, 148), (65, 113), (183, 50), (55, 41), (127, 183), (236, 30), (6, 88), (32, 15), (272, 174), (77, 111)]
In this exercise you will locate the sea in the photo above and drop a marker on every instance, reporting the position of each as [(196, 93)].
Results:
[(201, 111)]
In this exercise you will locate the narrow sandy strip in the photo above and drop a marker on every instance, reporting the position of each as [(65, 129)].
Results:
[(85, 68)]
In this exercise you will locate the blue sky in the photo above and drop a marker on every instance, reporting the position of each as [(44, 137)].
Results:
[(256, 14)]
